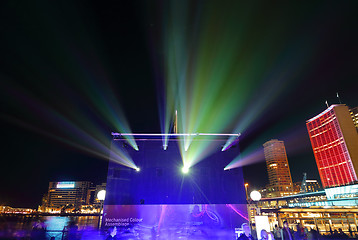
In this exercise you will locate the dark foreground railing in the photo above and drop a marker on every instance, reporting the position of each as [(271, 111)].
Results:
[(51, 235), (95, 234)]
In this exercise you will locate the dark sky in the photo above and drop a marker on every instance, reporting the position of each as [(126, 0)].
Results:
[(63, 63)]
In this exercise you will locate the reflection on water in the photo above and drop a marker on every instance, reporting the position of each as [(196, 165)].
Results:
[(59, 222), (54, 227), (54, 223)]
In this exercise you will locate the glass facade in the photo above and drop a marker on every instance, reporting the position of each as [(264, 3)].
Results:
[(330, 150)]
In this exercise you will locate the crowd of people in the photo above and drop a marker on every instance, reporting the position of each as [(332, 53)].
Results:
[(72, 232), (287, 233)]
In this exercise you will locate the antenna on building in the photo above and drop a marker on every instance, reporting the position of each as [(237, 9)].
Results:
[(176, 122), (339, 99), (327, 104)]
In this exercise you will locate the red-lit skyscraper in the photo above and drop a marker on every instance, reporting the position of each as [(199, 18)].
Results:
[(334, 142)]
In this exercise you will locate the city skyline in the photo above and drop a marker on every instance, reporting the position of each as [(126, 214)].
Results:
[(74, 73)]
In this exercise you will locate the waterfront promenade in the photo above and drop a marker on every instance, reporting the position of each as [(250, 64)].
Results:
[(25, 227)]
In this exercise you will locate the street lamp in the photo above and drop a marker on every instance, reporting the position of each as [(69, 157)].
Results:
[(101, 195), (256, 196), (246, 186)]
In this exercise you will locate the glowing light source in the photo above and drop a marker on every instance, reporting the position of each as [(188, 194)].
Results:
[(65, 185), (137, 169), (231, 141), (101, 195), (255, 195), (185, 170), (176, 134)]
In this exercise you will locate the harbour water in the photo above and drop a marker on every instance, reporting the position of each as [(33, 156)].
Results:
[(21, 226)]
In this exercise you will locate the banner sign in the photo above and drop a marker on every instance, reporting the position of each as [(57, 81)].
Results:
[(202, 221)]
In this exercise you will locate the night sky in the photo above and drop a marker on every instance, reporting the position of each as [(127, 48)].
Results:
[(72, 72)]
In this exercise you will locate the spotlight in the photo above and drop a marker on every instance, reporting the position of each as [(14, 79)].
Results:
[(137, 169), (185, 170)]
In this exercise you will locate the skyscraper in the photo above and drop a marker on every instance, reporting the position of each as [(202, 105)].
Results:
[(277, 167), (334, 141)]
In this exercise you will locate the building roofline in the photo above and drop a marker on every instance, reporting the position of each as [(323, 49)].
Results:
[(324, 112), (226, 136), (295, 195)]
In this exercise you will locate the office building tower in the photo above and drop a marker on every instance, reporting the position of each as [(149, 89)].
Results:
[(310, 185), (354, 115), (65, 193), (280, 181), (334, 141)]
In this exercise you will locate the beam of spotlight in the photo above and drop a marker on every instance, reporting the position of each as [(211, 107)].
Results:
[(246, 159), (216, 67), (85, 137), (293, 136), (102, 97), (93, 150), (270, 90), (230, 142), (74, 70), (202, 145)]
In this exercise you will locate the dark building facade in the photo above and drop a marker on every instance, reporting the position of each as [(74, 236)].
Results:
[(161, 181)]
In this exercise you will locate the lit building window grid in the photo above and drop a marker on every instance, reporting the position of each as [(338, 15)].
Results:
[(330, 151)]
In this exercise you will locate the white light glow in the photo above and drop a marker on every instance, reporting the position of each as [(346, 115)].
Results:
[(65, 185), (262, 222), (255, 195), (101, 195), (185, 170)]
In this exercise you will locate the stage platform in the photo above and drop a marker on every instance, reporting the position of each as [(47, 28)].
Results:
[(161, 202)]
